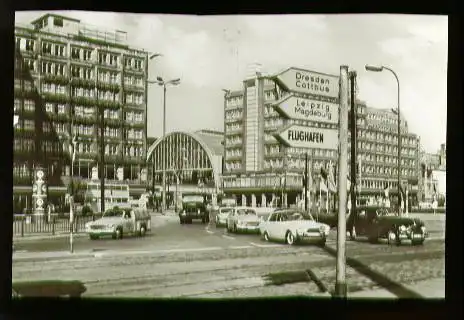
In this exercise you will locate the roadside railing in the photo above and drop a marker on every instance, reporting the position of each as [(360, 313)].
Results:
[(26, 224)]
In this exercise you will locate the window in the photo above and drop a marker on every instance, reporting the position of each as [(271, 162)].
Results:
[(102, 58), (30, 45), (138, 64), (49, 107), (59, 50), (29, 65), (87, 55), (29, 125), (61, 109), (46, 47), (76, 71), (87, 74), (113, 60), (57, 22), (47, 67), (59, 70), (128, 62), (75, 53)]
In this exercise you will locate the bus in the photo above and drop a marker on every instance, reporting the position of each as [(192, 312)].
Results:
[(116, 194)]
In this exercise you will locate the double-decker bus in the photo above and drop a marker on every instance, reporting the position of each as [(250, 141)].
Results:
[(116, 194)]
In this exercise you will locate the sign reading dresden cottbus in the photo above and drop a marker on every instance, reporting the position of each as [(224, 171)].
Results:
[(308, 109), (296, 136), (305, 81)]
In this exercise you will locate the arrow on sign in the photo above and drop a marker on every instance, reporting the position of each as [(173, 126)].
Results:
[(308, 137), (307, 109)]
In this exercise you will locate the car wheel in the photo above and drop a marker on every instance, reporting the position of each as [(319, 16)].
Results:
[(118, 233), (265, 236), (392, 237), (289, 238), (322, 243), (142, 231), (417, 242)]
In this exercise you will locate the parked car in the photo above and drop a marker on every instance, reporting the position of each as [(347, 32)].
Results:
[(221, 217), (193, 207), (119, 222), (379, 223), (242, 219), (47, 288), (293, 226)]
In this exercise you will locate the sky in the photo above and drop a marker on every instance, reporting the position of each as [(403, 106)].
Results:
[(210, 53)]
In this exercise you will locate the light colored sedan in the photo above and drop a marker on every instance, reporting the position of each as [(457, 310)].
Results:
[(221, 217), (242, 219), (292, 226)]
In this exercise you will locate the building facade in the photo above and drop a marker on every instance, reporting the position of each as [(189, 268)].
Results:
[(193, 163), (66, 74), (258, 168), (433, 175)]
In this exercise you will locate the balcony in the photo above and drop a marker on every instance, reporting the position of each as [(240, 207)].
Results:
[(22, 180), (85, 83), (133, 124), (86, 101), (55, 97), (111, 104), (53, 78), (114, 87), (112, 122)]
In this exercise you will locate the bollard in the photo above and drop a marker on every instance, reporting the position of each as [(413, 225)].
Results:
[(53, 226), (23, 220)]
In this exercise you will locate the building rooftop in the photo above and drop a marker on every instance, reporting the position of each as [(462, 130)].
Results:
[(213, 139)]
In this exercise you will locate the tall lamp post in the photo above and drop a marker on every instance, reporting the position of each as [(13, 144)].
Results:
[(397, 111), (160, 81)]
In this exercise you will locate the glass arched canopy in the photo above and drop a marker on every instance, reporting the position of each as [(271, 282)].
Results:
[(190, 157)]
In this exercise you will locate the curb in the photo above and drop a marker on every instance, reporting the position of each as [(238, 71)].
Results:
[(69, 256), (47, 237)]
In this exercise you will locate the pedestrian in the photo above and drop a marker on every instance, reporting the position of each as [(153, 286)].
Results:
[(435, 206)]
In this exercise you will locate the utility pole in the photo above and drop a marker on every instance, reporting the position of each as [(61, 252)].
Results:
[(163, 150), (340, 284), (102, 157), (306, 182), (353, 149)]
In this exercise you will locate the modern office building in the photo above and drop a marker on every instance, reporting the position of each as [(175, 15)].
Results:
[(258, 168), (66, 74)]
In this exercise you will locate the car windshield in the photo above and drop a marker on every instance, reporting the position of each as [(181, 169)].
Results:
[(228, 202), (242, 212), (383, 212), (113, 213), (192, 198), (294, 216), (225, 211)]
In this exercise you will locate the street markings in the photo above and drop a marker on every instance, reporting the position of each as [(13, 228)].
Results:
[(180, 250), (266, 245), (228, 237), (239, 247), (210, 232)]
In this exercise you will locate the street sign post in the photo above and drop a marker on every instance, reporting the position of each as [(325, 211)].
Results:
[(308, 137), (308, 109), (309, 82)]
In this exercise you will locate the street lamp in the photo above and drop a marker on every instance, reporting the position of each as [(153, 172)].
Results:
[(160, 81), (397, 111)]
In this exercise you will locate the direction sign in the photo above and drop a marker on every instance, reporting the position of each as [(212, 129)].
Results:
[(308, 137), (305, 81), (308, 109)]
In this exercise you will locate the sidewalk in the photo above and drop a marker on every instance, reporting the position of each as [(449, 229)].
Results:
[(432, 288)]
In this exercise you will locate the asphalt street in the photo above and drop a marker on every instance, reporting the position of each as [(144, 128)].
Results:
[(172, 235)]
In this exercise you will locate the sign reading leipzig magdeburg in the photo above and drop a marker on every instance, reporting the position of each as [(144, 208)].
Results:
[(309, 137), (308, 109), (304, 81)]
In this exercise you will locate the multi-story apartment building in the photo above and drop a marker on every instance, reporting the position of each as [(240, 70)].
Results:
[(66, 74), (258, 168)]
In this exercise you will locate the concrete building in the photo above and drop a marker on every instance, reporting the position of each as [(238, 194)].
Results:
[(433, 175), (66, 73), (193, 163), (258, 168)]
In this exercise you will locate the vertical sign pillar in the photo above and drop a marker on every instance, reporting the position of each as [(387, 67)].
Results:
[(340, 284), (39, 192)]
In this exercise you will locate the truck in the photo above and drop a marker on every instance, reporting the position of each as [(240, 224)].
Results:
[(193, 207), (119, 222)]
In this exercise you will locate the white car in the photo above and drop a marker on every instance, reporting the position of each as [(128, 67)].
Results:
[(292, 226), (221, 217), (242, 219)]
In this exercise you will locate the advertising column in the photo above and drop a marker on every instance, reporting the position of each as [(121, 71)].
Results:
[(39, 192)]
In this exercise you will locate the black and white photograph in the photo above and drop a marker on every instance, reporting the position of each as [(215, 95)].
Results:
[(229, 156)]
